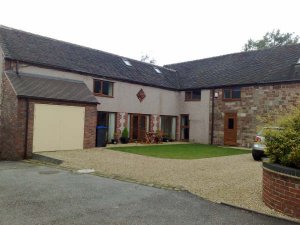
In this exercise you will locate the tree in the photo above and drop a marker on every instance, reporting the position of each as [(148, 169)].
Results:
[(146, 58), (271, 40)]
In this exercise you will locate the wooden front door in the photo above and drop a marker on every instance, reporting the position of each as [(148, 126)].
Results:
[(185, 128), (230, 128), (137, 127)]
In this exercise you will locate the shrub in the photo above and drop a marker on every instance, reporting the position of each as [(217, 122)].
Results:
[(125, 133), (283, 145)]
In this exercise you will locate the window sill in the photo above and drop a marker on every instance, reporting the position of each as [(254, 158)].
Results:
[(101, 95), (231, 99), (192, 100)]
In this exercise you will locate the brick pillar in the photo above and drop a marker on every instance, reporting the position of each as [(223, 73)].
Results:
[(121, 122), (157, 122), (178, 128), (118, 124), (151, 123), (154, 123)]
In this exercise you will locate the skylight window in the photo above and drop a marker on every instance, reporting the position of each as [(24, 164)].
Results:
[(126, 61), (156, 70)]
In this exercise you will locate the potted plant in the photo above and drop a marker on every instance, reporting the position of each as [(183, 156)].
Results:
[(166, 138), (124, 137), (159, 137)]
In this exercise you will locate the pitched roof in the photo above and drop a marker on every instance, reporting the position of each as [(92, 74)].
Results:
[(253, 67), (32, 48), (43, 87)]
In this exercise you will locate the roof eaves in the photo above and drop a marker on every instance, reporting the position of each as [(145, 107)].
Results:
[(58, 100), (242, 85), (91, 74)]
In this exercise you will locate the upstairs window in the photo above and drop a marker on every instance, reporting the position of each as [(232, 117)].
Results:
[(232, 93), (194, 95), (103, 88)]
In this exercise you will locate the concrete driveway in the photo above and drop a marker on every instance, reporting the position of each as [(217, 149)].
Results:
[(32, 194)]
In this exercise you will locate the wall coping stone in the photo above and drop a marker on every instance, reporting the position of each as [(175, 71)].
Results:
[(282, 169)]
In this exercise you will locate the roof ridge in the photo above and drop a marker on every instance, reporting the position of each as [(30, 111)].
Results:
[(78, 45), (241, 67), (234, 53)]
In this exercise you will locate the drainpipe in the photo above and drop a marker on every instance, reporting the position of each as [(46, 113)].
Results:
[(212, 117), (17, 67), (26, 128)]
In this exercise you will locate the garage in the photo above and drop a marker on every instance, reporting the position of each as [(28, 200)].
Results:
[(58, 127), (50, 114)]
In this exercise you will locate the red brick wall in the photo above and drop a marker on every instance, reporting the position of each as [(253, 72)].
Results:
[(281, 192), (118, 125), (151, 123), (9, 128), (90, 126), (256, 101), (13, 124)]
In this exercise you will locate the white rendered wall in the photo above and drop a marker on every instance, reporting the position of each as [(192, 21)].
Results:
[(199, 116), (157, 102)]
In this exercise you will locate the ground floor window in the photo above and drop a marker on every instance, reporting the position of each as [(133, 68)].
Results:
[(107, 119), (168, 126), (185, 127)]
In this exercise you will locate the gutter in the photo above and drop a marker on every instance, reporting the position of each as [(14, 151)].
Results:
[(44, 65), (17, 68), (243, 85), (47, 66), (58, 100)]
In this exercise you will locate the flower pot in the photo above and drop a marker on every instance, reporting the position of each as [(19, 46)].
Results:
[(114, 141), (166, 139), (124, 140)]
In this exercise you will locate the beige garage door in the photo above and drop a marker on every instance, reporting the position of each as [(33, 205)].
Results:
[(58, 127)]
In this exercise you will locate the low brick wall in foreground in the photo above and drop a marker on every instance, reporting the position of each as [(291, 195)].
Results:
[(281, 189)]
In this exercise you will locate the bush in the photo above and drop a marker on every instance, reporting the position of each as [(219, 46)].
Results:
[(283, 145), (125, 133)]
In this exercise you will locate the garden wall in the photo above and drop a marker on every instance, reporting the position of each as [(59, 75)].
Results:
[(281, 189)]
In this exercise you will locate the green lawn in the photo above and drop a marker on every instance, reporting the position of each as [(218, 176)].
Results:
[(181, 151)]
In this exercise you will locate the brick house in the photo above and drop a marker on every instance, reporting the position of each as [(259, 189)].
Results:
[(53, 95)]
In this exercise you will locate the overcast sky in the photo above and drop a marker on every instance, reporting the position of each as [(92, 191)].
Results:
[(169, 31)]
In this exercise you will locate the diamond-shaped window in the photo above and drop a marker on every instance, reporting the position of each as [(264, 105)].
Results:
[(141, 95)]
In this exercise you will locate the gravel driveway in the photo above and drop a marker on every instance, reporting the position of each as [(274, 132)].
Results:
[(36, 195), (236, 180)]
